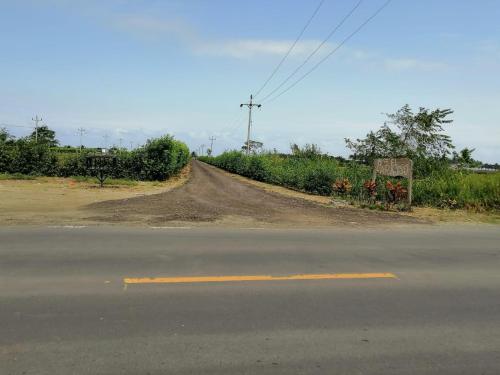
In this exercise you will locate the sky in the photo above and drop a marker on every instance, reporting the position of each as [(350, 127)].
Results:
[(129, 70)]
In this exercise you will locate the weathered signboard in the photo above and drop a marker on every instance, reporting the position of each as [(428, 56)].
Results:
[(395, 167), (101, 165)]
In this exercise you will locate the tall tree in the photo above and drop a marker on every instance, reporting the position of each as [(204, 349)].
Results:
[(45, 136), (255, 146), (4, 135), (406, 134), (464, 158)]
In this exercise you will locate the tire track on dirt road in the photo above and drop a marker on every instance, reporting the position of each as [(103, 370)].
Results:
[(212, 195)]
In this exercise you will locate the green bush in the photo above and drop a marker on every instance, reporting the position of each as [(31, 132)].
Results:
[(442, 187), (458, 189), (158, 160), (28, 157)]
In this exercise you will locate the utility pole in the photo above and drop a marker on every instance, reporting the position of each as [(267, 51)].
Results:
[(131, 145), (202, 149), (106, 138), (81, 132), (36, 120), (212, 139), (250, 105)]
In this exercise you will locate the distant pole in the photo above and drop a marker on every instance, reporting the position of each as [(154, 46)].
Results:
[(81, 132), (106, 139), (250, 105), (212, 139), (131, 145), (202, 148), (36, 120)]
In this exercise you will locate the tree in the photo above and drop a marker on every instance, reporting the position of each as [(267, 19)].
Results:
[(406, 134), (309, 151), (44, 135), (464, 158), (255, 146), (209, 152), (5, 136)]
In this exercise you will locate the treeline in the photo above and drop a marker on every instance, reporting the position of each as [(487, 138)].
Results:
[(158, 159)]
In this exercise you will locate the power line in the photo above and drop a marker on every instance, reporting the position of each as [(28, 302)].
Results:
[(14, 126), (332, 32), (291, 48), (358, 29), (237, 124)]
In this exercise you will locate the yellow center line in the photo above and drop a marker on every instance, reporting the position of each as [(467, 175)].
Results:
[(212, 279)]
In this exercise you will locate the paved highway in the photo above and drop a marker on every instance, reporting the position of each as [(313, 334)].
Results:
[(66, 306)]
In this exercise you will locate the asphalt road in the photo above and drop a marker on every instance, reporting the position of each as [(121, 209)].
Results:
[(64, 308)]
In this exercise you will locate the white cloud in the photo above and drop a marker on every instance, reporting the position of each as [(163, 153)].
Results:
[(248, 48), (154, 28), (413, 64)]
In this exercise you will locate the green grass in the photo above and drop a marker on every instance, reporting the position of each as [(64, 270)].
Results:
[(108, 181), (444, 188), (457, 189), (91, 180), (16, 176)]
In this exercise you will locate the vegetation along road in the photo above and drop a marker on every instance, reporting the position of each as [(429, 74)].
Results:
[(75, 301), (212, 195)]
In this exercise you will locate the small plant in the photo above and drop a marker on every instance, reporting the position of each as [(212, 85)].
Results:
[(448, 203), (342, 186), (395, 192), (371, 188)]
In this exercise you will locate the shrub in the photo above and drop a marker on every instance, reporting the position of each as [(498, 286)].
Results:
[(318, 181), (157, 160), (370, 187), (442, 187), (395, 192), (342, 186)]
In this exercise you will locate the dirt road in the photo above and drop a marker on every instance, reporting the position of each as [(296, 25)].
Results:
[(212, 195)]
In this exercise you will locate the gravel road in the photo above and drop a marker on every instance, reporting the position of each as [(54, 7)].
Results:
[(214, 196)]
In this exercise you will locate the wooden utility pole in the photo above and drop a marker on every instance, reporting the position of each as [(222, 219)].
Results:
[(81, 132), (250, 105), (212, 139), (36, 120)]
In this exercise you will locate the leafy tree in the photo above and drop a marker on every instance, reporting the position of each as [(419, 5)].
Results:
[(406, 134), (255, 146), (310, 151), (5, 136), (45, 136), (464, 158)]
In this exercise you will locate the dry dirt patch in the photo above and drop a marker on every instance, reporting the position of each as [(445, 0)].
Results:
[(54, 200), (214, 197), (429, 214)]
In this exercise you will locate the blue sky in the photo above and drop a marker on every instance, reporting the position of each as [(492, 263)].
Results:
[(135, 69)]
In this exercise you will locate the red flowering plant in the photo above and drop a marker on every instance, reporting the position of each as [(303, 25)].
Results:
[(342, 186), (395, 192), (370, 187)]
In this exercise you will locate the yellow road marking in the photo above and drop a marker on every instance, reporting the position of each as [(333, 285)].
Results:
[(211, 279)]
